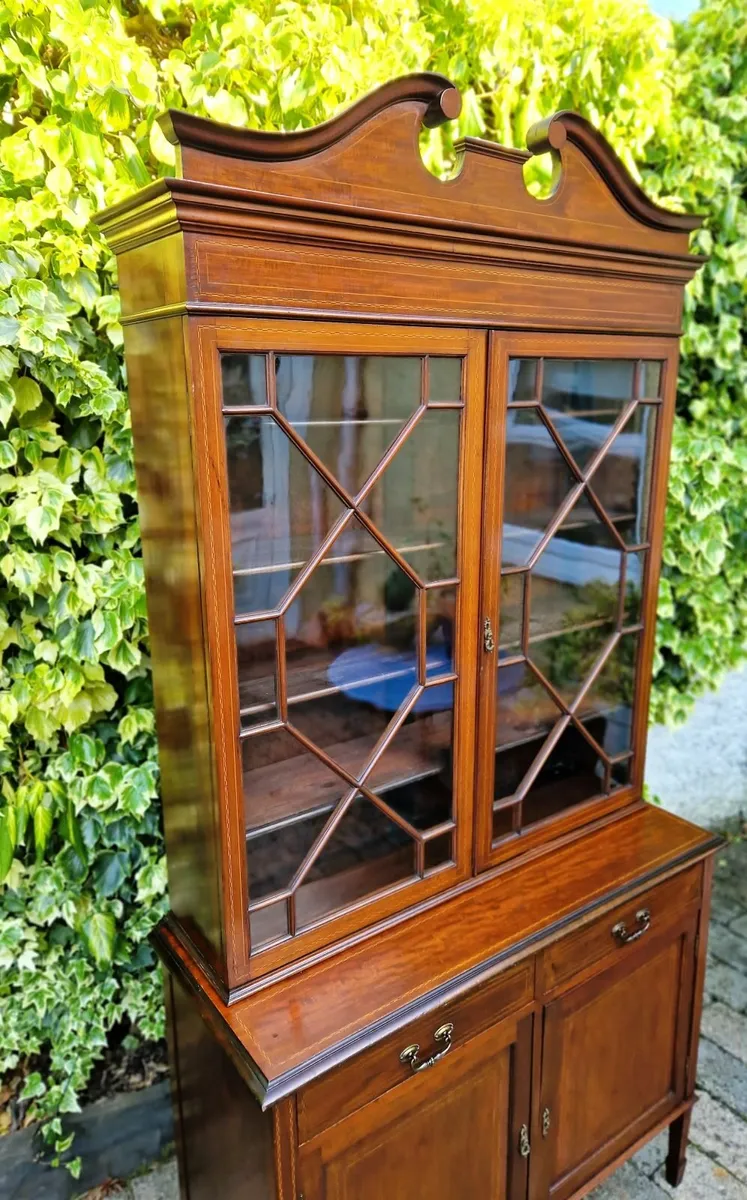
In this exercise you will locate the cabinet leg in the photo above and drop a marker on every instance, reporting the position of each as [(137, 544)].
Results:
[(677, 1156)]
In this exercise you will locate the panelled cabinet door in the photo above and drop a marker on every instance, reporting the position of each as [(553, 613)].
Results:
[(613, 1062), (456, 1129), (576, 451), (343, 510)]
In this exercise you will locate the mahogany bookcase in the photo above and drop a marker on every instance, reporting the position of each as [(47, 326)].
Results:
[(401, 449)]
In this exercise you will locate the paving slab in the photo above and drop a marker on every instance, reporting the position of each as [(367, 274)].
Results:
[(704, 1180), (628, 1183), (722, 1076), (727, 947), (726, 984), (728, 1029), (721, 1134)]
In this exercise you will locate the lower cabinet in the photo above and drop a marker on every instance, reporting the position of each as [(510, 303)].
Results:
[(614, 1053), (458, 1127)]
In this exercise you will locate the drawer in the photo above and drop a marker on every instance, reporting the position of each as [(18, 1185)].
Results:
[(595, 945), (370, 1074)]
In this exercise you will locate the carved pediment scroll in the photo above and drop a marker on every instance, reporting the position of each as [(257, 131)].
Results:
[(366, 162)]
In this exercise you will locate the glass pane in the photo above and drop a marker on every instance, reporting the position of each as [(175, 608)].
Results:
[(353, 626), (268, 924), (282, 779), (623, 480), (512, 609), (440, 618), (576, 579), (244, 379), (281, 510), (504, 822), (415, 771), (522, 380), (651, 381), (346, 731), (584, 399), (415, 502), (572, 773), (347, 408), (634, 578), (526, 710), (445, 380), (587, 385), (610, 698), (366, 852), (255, 648), (438, 852), (537, 482), (274, 857), (567, 660)]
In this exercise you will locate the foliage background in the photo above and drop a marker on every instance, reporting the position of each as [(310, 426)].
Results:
[(81, 82)]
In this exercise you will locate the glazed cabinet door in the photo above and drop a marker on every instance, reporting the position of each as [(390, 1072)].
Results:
[(614, 1055), (576, 451), (340, 512), (457, 1128)]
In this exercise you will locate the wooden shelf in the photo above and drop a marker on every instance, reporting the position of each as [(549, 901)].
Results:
[(303, 785)]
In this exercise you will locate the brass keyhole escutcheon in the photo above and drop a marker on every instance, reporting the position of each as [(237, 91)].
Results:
[(524, 1147), (488, 639), (545, 1122)]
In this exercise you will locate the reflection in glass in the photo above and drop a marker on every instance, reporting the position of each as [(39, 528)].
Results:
[(522, 380), (283, 779), (244, 379), (255, 648), (611, 696), (281, 511), (573, 773), (567, 659), (651, 381), (440, 620), (348, 409), (537, 482), (366, 852), (511, 613), (357, 639), (623, 480), (416, 767), (634, 575), (444, 380), (576, 579), (438, 852), (415, 502), (268, 924)]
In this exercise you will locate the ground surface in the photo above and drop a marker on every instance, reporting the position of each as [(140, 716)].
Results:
[(717, 1156), (699, 770)]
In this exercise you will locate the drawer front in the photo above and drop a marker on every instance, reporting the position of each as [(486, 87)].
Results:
[(595, 945), (370, 1074)]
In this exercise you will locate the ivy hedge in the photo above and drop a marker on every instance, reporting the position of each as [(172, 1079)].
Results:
[(81, 82)]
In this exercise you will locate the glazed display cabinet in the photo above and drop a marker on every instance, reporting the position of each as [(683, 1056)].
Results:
[(401, 448)]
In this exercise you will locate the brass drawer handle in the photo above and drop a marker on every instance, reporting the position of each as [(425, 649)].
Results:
[(620, 932), (410, 1053)]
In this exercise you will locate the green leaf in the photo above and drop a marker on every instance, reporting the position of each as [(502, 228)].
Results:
[(42, 828), (9, 328), (27, 392), (99, 931), (110, 872), (71, 829), (7, 844)]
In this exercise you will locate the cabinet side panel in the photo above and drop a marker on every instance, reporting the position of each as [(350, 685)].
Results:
[(159, 401), (225, 1140)]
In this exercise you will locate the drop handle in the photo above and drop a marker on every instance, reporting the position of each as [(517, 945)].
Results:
[(624, 936), (410, 1054)]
